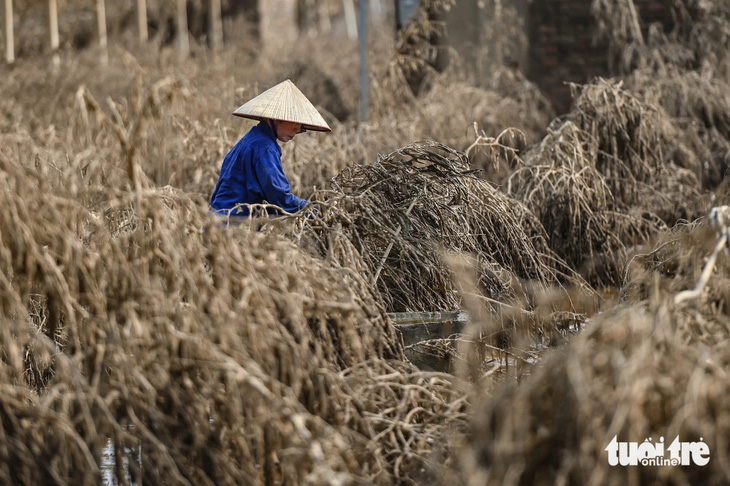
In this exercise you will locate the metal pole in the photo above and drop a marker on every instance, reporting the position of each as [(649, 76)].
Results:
[(142, 20), (9, 34), (363, 34), (101, 20)]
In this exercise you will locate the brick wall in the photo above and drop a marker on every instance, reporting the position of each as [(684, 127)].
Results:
[(562, 47)]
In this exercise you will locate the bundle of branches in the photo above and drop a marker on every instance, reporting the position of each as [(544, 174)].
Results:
[(687, 258), (697, 36), (415, 410), (560, 184), (685, 72), (617, 21), (399, 213), (707, 34), (699, 105), (630, 375), (418, 42), (464, 109), (620, 24), (225, 355), (636, 141), (648, 369), (488, 112)]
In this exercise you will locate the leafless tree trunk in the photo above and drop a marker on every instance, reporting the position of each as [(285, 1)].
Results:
[(53, 26), (142, 20), (182, 28), (323, 12), (307, 17), (9, 33), (216, 24), (364, 70), (101, 20), (350, 18)]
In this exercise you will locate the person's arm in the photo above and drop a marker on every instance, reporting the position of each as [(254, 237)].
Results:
[(274, 183)]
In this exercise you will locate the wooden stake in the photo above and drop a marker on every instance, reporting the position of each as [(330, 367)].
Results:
[(142, 20), (53, 26), (9, 33), (216, 24), (101, 20), (182, 28)]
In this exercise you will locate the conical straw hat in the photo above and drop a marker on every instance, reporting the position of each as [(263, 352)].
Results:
[(286, 103)]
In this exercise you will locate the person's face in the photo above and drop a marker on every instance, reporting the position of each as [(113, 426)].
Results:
[(285, 130)]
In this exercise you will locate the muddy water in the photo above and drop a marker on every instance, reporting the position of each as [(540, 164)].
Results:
[(109, 463), (417, 329), (422, 326)]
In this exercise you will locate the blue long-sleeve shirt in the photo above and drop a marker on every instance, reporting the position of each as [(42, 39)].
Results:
[(252, 173)]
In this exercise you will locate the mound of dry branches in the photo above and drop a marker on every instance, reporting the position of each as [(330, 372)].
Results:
[(226, 356), (562, 186), (401, 212), (614, 173), (641, 151), (699, 105), (630, 374), (685, 256), (680, 81), (650, 368), (696, 37)]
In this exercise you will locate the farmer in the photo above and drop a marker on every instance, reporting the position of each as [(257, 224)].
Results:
[(252, 172)]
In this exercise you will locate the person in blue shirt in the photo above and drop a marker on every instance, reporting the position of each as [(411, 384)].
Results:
[(252, 172)]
